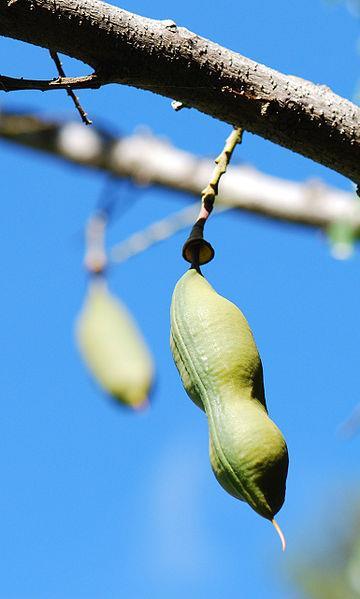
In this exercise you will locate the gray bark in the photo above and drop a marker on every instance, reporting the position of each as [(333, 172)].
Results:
[(159, 56)]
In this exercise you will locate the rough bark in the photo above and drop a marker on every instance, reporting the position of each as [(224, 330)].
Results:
[(148, 160), (172, 61)]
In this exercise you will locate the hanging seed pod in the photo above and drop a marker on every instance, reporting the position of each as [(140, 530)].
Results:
[(220, 367), (113, 347)]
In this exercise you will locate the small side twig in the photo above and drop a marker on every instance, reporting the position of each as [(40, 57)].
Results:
[(11, 84), (83, 115), (158, 231)]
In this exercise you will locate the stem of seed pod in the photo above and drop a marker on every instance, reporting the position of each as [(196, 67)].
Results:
[(210, 192), (95, 256), (196, 249)]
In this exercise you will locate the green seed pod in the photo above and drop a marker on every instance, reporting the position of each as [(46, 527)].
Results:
[(220, 367), (113, 347)]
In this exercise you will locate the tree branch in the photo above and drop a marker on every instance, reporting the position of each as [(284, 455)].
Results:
[(172, 61), (149, 160)]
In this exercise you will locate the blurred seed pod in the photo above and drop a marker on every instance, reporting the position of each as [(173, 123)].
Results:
[(113, 348)]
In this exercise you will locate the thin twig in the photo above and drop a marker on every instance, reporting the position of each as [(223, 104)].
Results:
[(83, 115), (156, 232)]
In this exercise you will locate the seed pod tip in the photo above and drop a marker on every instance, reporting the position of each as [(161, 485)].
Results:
[(280, 533), (143, 406)]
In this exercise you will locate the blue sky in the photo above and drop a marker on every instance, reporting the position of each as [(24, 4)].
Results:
[(100, 503)]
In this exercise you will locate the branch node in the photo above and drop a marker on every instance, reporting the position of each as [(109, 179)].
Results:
[(178, 105), (83, 115)]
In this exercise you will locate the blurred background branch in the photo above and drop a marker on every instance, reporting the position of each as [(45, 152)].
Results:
[(150, 160)]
